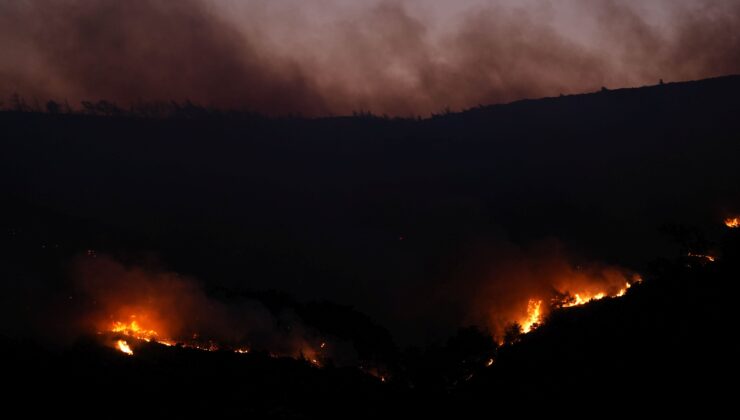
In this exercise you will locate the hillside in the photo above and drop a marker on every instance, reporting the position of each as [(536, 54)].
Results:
[(358, 250)]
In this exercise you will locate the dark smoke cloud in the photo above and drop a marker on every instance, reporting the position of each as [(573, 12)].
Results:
[(387, 56), (145, 50)]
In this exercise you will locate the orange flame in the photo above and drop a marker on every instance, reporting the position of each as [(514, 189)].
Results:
[(124, 347), (139, 328), (534, 315), (583, 298), (732, 222), (133, 329), (623, 290)]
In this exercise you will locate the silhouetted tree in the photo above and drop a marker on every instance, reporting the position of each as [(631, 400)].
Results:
[(52, 107), (17, 103), (512, 333), (471, 343)]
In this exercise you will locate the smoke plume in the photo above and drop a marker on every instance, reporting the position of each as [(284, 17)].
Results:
[(178, 310), (325, 57)]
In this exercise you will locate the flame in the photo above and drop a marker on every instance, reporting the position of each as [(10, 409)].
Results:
[(124, 347), (732, 222), (623, 290), (584, 298), (140, 328), (133, 329), (534, 315)]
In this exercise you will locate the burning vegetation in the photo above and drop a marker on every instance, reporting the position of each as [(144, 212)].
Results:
[(131, 306), (134, 306), (732, 222), (124, 347), (520, 287), (534, 315), (536, 310)]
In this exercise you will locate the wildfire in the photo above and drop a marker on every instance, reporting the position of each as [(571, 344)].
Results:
[(732, 222), (133, 329), (623, 290), (536, 311), (124, 347), (138, 328), (582, 299), (534, 315)]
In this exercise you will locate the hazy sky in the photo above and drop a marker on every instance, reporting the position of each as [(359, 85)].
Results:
[(318, 57)]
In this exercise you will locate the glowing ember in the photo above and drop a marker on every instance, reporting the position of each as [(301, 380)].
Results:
[(489, 363), (732, 222), (702, 256), (534, 316), (124, 347)]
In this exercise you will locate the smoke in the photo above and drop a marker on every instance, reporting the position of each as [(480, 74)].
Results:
[(494, 284), (544, 272), (326, 57), (177, 309)]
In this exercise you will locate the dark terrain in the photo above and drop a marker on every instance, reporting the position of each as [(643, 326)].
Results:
[(336, 218)]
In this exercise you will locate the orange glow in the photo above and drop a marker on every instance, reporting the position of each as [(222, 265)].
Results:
[(732, 222), (141, 328), (584, 298), (133, 329), (535, 310), (534, 316), (623, 290), (702, 256), (123, 346)]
